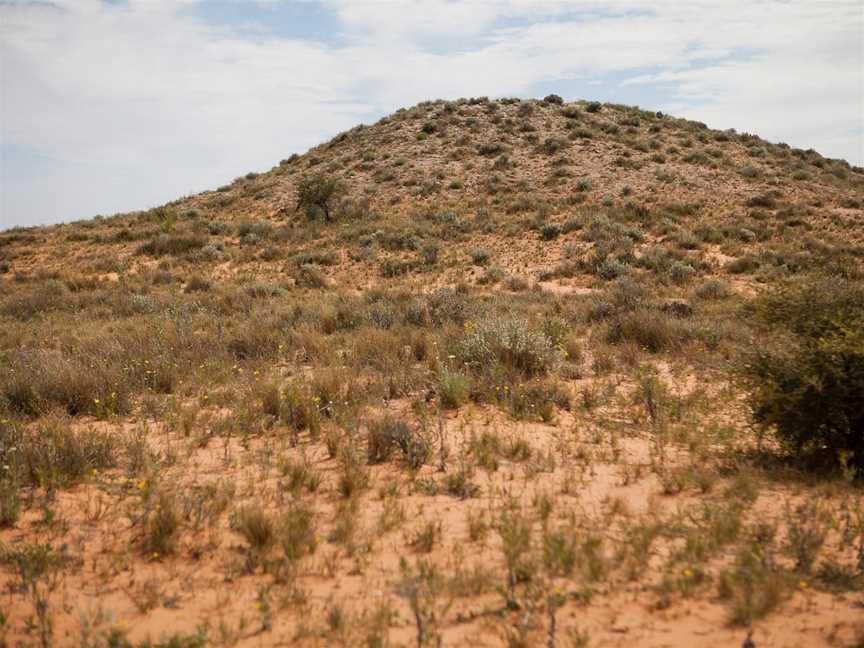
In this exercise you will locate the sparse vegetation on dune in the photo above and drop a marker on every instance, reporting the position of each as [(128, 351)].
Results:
[(488, 372)]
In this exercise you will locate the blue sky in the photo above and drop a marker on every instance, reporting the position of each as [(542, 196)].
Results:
[(123, 105)]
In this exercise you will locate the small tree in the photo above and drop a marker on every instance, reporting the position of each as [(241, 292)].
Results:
[(318, 193), (807, 381)]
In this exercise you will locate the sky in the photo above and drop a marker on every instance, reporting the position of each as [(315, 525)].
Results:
[(111, 106)]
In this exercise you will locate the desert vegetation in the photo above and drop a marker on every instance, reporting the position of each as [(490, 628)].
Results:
[(487, 372)]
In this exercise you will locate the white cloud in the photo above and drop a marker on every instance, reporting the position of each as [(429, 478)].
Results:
[(124, 106)]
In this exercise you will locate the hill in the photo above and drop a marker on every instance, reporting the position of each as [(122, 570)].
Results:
[(486, 372)]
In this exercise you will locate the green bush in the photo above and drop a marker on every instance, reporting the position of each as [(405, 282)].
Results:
[(743, 265), (396, 267), (429, 253), (807, 383), (511, 342), (652, 330), (712, 289), (388, 434), (172, 244), (454, 388), (317, 194), (52, 455), (550, 231), (480, 256), (79, 381)]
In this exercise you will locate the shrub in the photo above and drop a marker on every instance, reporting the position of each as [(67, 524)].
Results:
[(490, 149), (79, 382), (743, 265), (808, 385), (550, 231), (308, 276), (297, 533), (611, 269), (429, 253), (766, 200), (510, 342), (162, 525), (536, 400), (317, 194), (553, 99), (216, 227), (389, 434), (712, 289), (552, 145), (453, 388), (650, 329), (480, 256), (258, 529), (172, 245), (753, 588), (40, 299), (10, 502), (447, 305), (52, 455), (300, 411), (197, 284), (261, 290), (259, 229), (396, 267), (681, 272)]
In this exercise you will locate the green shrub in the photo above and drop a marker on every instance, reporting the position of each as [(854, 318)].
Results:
[(396, 267), (681, 272), (41, 299), (317, 194), (79, 382), (299, 410), (650, 329), (550, 231), (712, 289), (454, 388), (511, 342), (429, 253), (388, 434), (197, 284), (257, 528), (583, 185), (162, 526), (10, 501), (752, 588), (611, 269), (52, 455), (308, 276), (807, 384), (480, 256), (743, 265), (172, 244), (536, 400), (297, 533)]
